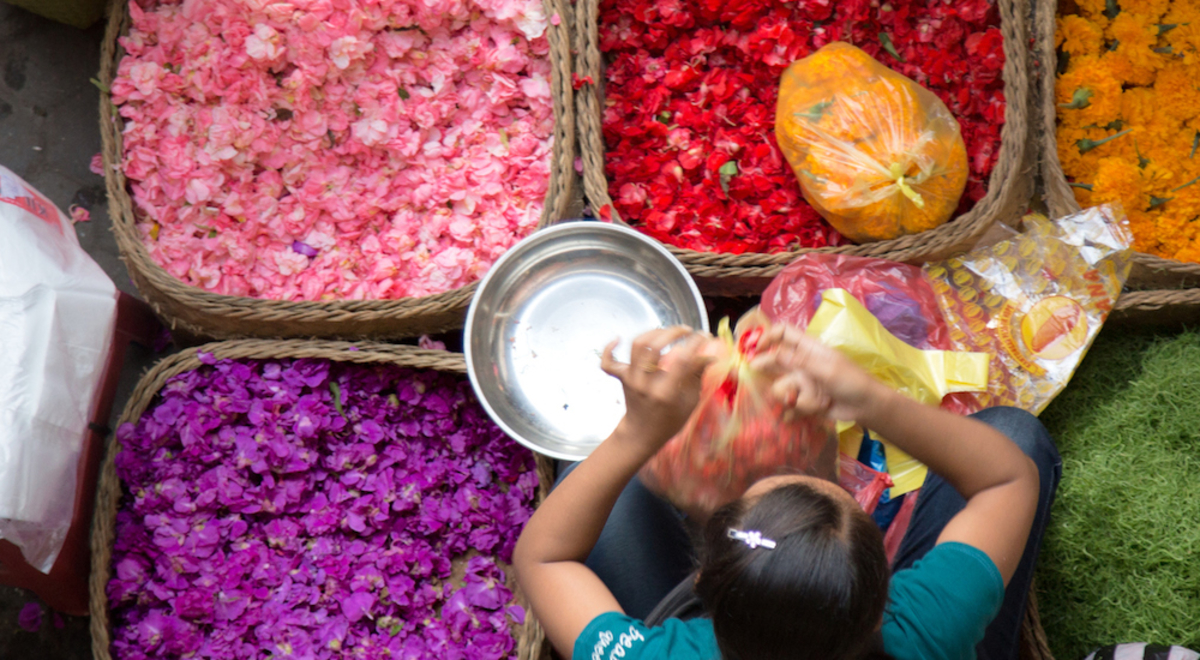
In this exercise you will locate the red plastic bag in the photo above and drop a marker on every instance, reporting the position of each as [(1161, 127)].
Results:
[(865, 484), (738, 434), (897, 294)]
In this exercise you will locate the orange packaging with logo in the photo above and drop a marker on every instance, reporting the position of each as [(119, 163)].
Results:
[(1035, 302)]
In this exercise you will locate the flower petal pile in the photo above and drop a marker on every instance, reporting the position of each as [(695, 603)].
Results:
[(303, 509), (1129, 117), (691, 93), (335, 149)]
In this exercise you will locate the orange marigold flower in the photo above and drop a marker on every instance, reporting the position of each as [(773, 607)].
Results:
[(1129, 117), (1147, 11), (1073, 162), (1079, 36), (1144, 229), (1174, 92), (1118, 180), (1139, 108), (1136, 42), (1092, 9), (1157, 180), (1091, 74), (1185, 37)]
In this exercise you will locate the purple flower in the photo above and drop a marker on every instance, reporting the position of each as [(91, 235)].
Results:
[(30, 618), (357, 605), (305, 508), (305, 249)]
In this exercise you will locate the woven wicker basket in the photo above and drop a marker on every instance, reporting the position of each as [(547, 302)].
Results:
[(203, 314), (1009, 188), (1165, 290), (531, 642), (1033, 638)]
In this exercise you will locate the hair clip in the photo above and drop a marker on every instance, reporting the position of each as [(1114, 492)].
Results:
[(752, 538)]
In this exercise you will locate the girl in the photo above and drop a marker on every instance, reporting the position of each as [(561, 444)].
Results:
[(794, 569)]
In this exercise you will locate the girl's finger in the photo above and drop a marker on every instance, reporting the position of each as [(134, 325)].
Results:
[(768, 363), (657, 340), (690, 358), (609, 364), (647, 349), (802, 394), (772, 336)]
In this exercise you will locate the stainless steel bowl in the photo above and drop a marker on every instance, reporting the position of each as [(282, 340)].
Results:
[(542, 316)]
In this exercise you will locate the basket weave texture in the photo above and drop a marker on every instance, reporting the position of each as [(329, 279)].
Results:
[(531, 640), (1009, 187), (203, 314), (1166, 291)]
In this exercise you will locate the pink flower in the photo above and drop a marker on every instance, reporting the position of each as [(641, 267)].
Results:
[(344, 50), (197, 192), (79, 214), (407, 159), (290, 262), (430, 344), (369, 131), (144, 76), (264, 43), (97, 164)]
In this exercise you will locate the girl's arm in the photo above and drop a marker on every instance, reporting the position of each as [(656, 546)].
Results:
[(999, 482), (564, 594)]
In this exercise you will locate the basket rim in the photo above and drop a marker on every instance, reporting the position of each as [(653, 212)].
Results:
[(1008, 184), (1059, 198), (164, 291), (530, 641)]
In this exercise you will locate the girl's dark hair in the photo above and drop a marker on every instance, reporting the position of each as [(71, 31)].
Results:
[(818, 594)]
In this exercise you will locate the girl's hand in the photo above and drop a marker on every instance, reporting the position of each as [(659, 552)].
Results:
[(816, 379), (658, 400)]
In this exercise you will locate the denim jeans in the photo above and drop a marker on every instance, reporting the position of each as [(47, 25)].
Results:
[(644, 551)]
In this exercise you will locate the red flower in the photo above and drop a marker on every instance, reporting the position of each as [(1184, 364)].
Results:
[(578, 82), (691, 92)]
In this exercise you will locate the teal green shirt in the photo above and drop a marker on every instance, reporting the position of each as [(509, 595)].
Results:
[(937, 609)]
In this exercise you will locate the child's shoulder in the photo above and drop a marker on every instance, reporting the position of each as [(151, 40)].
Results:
[(616, 636)]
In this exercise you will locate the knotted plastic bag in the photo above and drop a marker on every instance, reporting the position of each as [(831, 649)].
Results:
[(738, 434), (876, 154), (58, 311), (865, 484)]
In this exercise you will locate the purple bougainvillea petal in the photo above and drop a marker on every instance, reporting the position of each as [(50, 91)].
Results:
[(30, 617), (263, 518)]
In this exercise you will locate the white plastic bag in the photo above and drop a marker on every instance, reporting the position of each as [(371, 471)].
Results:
[(57, 315)]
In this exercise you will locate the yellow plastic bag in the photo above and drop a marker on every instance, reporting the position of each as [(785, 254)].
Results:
[(1021, 314), (876, 154), (1035, 302), (842, 322)]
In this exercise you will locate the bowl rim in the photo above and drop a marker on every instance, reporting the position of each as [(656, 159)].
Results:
[(538, 237)]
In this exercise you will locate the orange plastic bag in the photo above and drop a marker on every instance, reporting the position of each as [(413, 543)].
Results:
[(876, 154), (738, 434)]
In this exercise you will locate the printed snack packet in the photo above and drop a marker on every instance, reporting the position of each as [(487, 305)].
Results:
[(1035, 302)]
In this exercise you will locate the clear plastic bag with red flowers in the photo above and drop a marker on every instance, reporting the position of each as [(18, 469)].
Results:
[(738, 434), (876, 154)]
